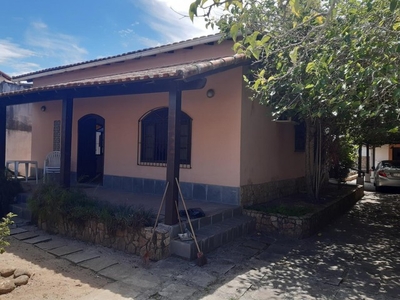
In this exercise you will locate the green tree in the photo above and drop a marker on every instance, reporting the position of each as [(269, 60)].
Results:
[(5, 231), (333, 64)]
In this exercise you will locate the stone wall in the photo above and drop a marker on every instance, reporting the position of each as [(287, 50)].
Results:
[(128, 240), (307, 225), (261, 193)]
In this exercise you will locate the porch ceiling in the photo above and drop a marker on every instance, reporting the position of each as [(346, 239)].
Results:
[(189, 75)]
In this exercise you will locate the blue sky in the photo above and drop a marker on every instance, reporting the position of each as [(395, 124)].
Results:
[(41, 34)]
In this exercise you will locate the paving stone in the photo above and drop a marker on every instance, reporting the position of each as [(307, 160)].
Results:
[(279, 249), (264, 239), (25, 235), (197, 276), (171, 267), (218, 266), (265, 293), (64, 250), (235, 288), (177, 291), (115, 291), (255, 244), (143, 281), (38, 239), (19, 221), (81, 257), (245, 251), (17, 230), (98, 264), (270, 257), (354, 294), (332, 275), (118, 272), (50, 245), (252, 276)]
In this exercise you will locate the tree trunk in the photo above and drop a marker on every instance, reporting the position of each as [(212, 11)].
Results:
[(315, 159)]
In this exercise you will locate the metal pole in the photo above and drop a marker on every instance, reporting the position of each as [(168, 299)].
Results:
[(173, 156), (66, 138)]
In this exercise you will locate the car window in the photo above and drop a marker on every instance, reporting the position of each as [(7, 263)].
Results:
[(391, 164)]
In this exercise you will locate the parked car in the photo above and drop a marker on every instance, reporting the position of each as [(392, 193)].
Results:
[(387, 173)]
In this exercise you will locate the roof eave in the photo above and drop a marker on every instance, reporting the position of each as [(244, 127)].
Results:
[(121, 58)]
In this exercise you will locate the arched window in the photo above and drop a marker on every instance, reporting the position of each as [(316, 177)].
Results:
[(154, 138)]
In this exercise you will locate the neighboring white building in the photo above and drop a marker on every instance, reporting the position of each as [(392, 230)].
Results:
[(19, 123), (381, 153)]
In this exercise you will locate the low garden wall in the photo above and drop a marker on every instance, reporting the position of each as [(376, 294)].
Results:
[(136, 241), (307, 225), (258, 193)]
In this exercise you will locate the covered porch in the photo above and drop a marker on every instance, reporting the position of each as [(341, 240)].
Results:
[(172, 80)]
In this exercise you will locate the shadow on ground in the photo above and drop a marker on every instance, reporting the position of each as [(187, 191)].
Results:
[(356, 257)]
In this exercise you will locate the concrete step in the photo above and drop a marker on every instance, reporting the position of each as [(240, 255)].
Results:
[(22, 197), (19, 222), (213, 236), (212, 218), (22, 211)]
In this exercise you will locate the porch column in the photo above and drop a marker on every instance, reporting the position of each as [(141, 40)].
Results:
[(360, 179), (3, 122), (66, 138), (373, 157), (367, 174), (173, 156)]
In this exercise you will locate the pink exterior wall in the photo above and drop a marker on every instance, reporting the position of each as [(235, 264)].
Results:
[(234, 141), (215, 131), (42, 129), (267, 148)]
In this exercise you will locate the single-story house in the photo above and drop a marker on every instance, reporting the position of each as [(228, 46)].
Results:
[(138, 120)]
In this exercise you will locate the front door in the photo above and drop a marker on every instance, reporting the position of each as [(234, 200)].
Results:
[(90, 166)]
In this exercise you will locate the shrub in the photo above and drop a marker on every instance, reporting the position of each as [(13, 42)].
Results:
[(342, 158), (286, 210), (51, 202), (5, 230), (9, 188)]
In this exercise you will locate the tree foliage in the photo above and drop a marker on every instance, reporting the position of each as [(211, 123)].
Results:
[(333, 64), (5, 230)]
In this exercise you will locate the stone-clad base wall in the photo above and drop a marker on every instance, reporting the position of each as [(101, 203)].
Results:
[(128, 240), (307, 225), (261, 193)]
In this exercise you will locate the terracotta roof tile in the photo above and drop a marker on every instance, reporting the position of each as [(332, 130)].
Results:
[(181, 71), (139, 53)]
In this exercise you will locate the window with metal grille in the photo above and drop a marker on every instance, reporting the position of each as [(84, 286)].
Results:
[(153, 141), (300, 137), (57, 135)]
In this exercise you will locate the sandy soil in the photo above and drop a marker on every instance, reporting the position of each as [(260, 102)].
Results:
[(53, 278)]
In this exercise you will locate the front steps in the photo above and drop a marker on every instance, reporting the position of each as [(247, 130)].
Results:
[(212, 232), (20, 207)]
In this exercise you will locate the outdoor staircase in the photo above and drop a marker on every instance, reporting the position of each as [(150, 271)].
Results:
[(212, 231), (20, 207)]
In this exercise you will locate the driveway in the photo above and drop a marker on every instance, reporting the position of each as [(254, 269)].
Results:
[(357, 257)]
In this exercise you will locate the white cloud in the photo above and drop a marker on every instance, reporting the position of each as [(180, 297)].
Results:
[(42, 47), (24, 68), (13, 55), (170, 19), (48, 44), (10, 51)]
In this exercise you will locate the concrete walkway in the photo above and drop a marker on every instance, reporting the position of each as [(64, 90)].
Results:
[(357, 257)]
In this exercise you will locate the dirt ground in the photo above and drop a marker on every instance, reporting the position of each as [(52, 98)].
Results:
[(52, 278)]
